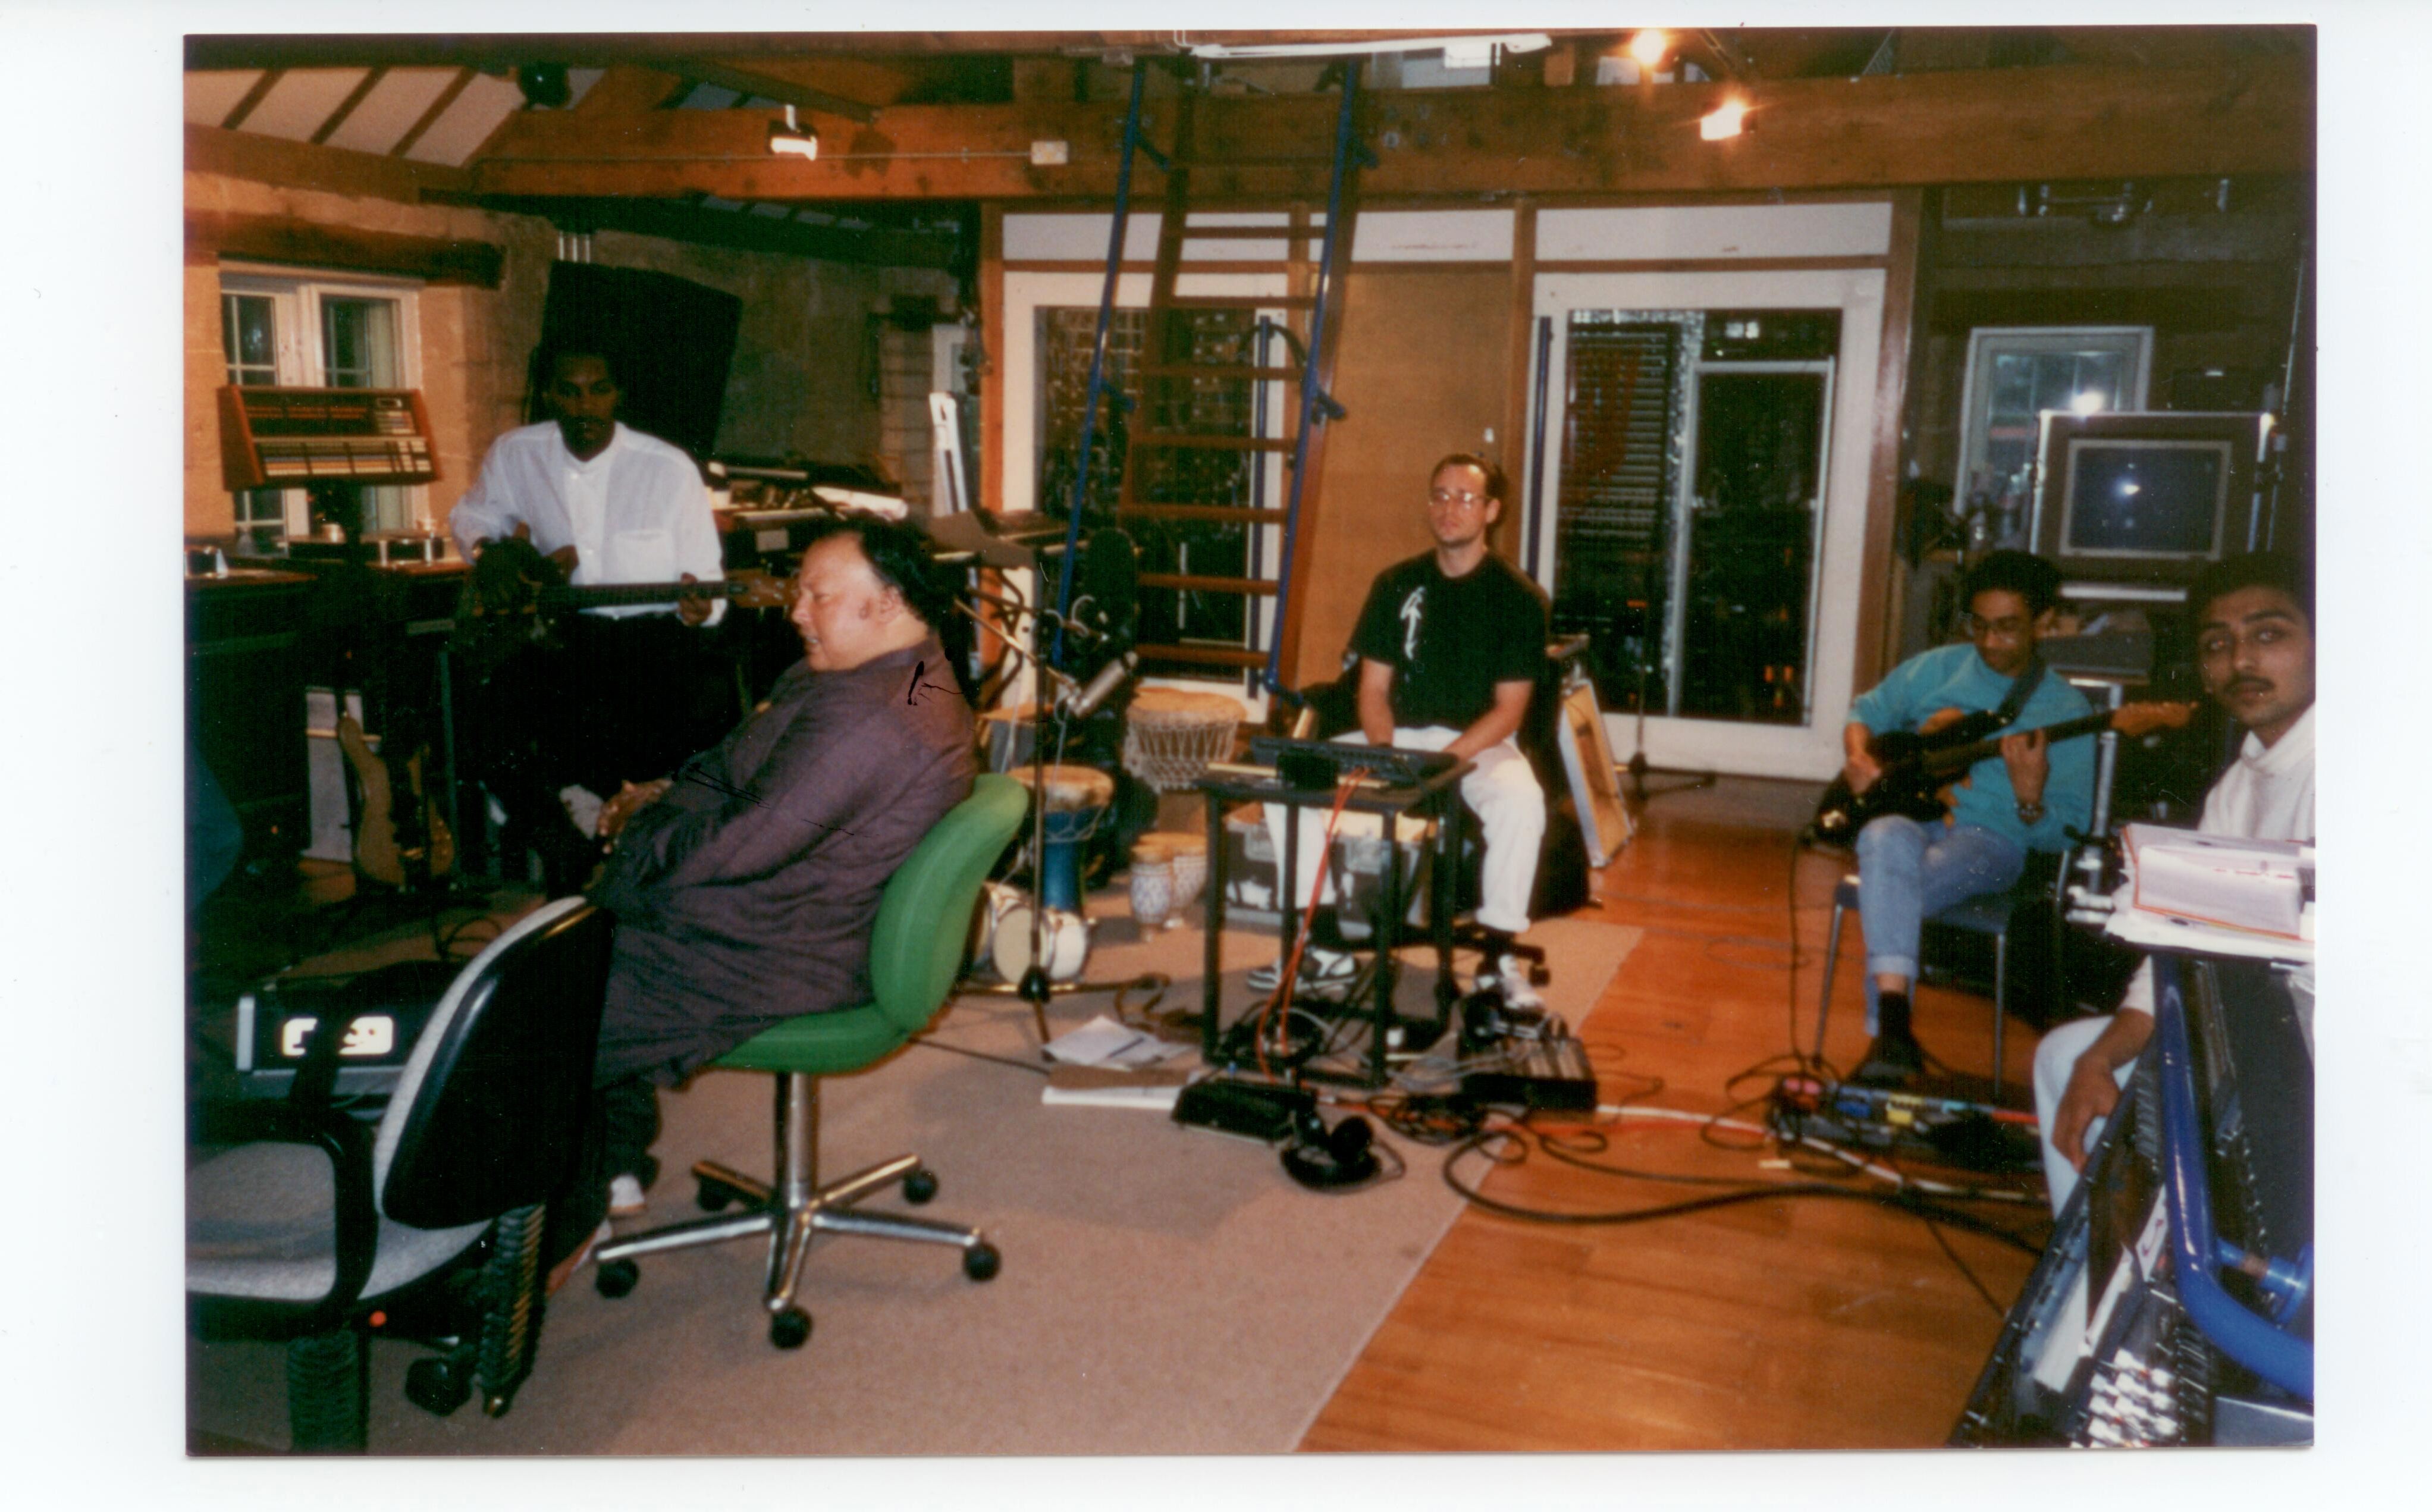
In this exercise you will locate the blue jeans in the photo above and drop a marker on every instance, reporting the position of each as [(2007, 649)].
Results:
[(1908, 871)]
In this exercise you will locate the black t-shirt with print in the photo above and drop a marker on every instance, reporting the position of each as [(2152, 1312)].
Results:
[(1450, 640)]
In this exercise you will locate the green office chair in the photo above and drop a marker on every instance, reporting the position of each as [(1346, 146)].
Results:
[(916, 953)]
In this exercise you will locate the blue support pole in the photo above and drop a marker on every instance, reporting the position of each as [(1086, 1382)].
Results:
[(1098, 355), (1316, 407)]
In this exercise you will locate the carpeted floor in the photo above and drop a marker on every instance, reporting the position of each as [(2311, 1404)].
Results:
[(1164, 1291)]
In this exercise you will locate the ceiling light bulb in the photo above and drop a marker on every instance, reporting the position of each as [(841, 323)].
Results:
[(793, 137), (2089, 401), (1726, 120), (1648, 47)]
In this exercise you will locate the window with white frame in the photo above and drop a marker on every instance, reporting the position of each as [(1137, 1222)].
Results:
[(304, 330), (2014, 374)]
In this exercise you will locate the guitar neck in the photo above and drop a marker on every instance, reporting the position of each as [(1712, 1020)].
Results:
[(1953, 757), (610, 595)]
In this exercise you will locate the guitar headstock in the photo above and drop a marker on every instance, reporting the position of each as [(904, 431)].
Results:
[(2144, 719)]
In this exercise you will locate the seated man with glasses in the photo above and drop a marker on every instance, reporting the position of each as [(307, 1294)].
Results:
[(2025, 799), (1450, 645)]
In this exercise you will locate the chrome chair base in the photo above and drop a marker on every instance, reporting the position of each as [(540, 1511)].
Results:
[(793, 1210)]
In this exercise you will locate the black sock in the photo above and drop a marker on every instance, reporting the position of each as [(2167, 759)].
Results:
[(1891, 1016), (1498, 944)]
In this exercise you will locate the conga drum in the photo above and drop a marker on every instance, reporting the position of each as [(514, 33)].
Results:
[(1171, 736), (1073, 800), (1063, 945), (1007, 735)]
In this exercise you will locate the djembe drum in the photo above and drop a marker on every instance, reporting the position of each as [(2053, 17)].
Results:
[(1073, 800), (1171, 736)]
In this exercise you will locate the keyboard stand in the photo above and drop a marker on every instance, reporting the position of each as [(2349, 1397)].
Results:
[(1436, 797)]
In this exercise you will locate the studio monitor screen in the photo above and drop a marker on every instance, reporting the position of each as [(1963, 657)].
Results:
[(2145, 498)]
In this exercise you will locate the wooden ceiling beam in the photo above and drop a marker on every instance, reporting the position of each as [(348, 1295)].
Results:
[(628, 91), (313, 165), (211, 235), (2255, 116), (747, 82), (497, 50)]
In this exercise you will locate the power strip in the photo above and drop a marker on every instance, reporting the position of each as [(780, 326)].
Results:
[(1551, 1073), (1259, 1111)]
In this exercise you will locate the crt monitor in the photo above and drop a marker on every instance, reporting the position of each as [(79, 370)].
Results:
[(2160, 500), (2145, 498)]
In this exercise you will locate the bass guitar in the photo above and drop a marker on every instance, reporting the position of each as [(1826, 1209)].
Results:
[(1918, 768), (515, 596), (399, 844)]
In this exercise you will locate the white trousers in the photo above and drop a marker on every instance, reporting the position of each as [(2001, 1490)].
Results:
[(2055, 1058), (1500, 789)]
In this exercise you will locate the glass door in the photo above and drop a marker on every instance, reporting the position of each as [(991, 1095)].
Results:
[(1695, 503), (1744, 613)]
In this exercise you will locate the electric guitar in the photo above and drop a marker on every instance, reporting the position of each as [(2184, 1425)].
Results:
[(517, 596), (1916, 768), (411, 845)]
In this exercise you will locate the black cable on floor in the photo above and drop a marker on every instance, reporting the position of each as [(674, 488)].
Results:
[(1998, 1311), (1033, 1067), (1909, 1202)]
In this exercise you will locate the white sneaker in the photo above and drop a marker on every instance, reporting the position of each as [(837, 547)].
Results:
[(1324, 974), (582, 806), (626, 1199), (1509, 980)]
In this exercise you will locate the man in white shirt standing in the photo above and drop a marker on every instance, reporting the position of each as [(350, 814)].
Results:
[(629, 692), (2254, 648)]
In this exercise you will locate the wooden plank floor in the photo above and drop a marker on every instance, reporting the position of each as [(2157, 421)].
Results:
[(1788, 1324)]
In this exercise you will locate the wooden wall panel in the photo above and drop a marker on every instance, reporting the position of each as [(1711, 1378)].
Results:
[(1425, 368), (1878, 622)]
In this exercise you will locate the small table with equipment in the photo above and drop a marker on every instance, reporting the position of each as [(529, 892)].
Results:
[(1297, 774)]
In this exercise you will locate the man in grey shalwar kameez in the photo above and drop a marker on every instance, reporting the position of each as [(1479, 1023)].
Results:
[(745, 887)]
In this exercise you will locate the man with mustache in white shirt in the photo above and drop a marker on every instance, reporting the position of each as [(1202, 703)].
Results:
[(2254, 648)]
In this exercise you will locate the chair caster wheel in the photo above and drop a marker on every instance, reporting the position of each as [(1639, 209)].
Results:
[(921, 1185), (437, 1386), (494, 1403), (713, 1198), (791, 1329), (981, 1261), (615, 1278)]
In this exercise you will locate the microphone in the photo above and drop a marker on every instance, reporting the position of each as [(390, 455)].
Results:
[(1017, 607), (1080, 705)]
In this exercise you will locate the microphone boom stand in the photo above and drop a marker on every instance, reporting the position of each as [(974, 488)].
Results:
[(1035, 988)]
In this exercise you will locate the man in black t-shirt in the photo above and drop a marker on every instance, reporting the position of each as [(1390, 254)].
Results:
[(1450, 644)]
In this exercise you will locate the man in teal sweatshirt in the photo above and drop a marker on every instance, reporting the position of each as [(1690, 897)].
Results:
[(2026, 798)]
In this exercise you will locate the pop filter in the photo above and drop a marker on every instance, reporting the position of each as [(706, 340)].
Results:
[(1108, 576)]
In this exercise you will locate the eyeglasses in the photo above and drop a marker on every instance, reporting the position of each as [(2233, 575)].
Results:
[(1446, 496), (2010, 628)]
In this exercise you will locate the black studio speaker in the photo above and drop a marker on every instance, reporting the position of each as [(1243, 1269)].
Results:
[(670, 340)]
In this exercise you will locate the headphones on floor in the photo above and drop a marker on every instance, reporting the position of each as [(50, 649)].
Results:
[(1321, 1157)]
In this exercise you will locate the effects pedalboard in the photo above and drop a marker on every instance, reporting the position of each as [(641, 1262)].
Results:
[(1979, 1136)]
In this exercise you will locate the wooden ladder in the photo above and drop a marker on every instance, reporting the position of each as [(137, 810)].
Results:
[(1194, 477)]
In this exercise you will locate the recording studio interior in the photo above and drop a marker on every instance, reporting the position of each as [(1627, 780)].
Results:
[(1258, 743)]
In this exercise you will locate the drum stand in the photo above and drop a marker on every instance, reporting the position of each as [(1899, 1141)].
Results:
[(1035, 988)]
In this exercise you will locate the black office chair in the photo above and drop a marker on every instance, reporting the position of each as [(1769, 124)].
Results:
[(2032, 901), (317, 1227)]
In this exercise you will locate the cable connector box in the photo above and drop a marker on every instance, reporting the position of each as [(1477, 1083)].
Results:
[(1261, 1111), (1552, 1074)]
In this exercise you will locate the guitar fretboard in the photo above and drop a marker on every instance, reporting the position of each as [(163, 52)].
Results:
[(1953, 757), (604, 595)]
